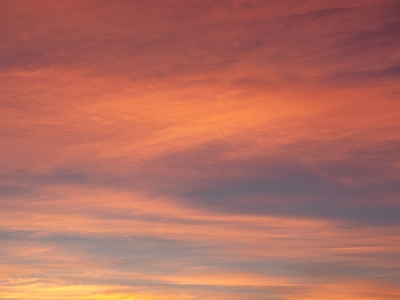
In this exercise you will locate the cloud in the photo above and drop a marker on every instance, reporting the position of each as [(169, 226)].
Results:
[(199, 150)]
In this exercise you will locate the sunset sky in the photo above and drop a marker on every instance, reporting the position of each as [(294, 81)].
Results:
[(200, 149)]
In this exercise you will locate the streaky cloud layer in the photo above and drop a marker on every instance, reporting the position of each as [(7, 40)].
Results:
[(199, 150)]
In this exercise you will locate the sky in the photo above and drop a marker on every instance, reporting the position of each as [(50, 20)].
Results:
[(200, 149)]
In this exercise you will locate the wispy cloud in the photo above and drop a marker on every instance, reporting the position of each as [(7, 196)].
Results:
[(199, 150)]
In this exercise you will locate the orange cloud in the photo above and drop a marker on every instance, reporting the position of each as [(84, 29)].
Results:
[(199, 150)]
